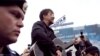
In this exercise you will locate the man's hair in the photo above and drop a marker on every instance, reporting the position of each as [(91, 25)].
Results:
[(92, 50), (18, 3), (44, 12)]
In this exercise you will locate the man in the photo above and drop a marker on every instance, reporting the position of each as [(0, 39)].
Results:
[(43, 34), (92, 51), (81, 44), (11, 17)]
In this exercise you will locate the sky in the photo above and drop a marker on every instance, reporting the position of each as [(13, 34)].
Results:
[(80, 12)]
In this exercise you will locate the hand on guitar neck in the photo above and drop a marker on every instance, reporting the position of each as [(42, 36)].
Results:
[(26, 53)]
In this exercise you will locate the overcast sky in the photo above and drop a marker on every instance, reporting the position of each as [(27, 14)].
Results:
[(81, 12)]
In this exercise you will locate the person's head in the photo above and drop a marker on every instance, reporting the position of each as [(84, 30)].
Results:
[(82, 36), (48, 15), (92, 51), (81, 33), (11, 17)]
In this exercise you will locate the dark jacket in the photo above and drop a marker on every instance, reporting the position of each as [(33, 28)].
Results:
[(8, 52), (44, 36), (80, 46)]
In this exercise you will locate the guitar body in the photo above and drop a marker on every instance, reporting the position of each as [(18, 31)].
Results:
[(37, 52), (35, 49)]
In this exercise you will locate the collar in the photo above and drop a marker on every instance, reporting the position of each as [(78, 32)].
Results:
[(8, 51)]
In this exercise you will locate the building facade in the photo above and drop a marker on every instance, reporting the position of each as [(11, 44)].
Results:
[(92, 32)]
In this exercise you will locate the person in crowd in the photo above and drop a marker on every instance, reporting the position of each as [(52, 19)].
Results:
[(44, 35), (92, 51), (81, 44), (11, 17)]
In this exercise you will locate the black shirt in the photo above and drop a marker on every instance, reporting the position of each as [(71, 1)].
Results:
[(8, 52)]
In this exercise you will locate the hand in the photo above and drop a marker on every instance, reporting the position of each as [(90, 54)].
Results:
[(59, 53), (26, 53)]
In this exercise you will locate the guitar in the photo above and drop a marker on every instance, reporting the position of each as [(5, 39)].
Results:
[(35, 51)]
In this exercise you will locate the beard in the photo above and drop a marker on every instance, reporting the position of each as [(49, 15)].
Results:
[(50, 23)]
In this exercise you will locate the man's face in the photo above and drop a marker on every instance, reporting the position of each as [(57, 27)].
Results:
[(10, 23), (49, 17)]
